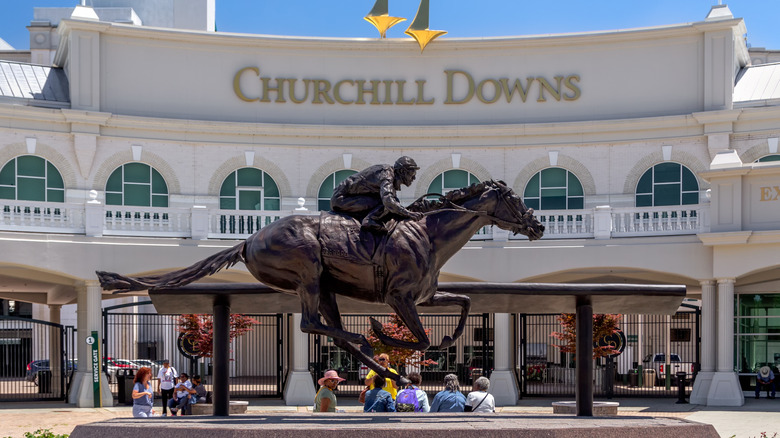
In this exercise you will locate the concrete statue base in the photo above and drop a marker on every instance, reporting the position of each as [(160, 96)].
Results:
[(504, 388), (299, 390), (725, 390), (701, 388), (82, 392)]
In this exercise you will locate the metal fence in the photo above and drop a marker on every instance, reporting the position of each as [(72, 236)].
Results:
[(37, 359), (640, 370), (465, 358), (137, 336)]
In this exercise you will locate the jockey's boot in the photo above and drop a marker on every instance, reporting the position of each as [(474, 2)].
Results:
[(372, 224)]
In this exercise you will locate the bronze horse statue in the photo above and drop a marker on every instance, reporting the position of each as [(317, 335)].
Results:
[(319, 257)]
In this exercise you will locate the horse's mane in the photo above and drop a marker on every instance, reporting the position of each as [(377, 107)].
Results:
[(453, 197)]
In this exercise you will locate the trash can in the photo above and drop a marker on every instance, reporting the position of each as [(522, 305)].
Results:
[(649, 378), (44, 381), (124, 380), (633, 377)]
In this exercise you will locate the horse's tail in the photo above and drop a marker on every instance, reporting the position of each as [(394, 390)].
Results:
[(208, 266)]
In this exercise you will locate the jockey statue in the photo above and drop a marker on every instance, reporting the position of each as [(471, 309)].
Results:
[(370, 195)]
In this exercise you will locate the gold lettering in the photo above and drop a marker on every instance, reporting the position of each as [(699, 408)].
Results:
[(568, 83), (361, 90), (337, 92), (237, 84), (517, 86), (555, 92), (305, 89), (400, 100), (321, 89), (450, 79), (388, 93), (481, 91), (279, 89), (421, 94), (765, 192), (777, 190)]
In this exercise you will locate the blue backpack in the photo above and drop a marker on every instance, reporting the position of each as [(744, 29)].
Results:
[(406, 401)]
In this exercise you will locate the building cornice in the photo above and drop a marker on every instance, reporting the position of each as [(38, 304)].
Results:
[(728, 238)]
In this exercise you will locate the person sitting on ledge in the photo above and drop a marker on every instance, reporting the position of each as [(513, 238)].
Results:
[(765, 379), (377, 399), (450, 399), (325, 400)]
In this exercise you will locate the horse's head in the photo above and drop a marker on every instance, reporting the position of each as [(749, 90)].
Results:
[(510, 213)]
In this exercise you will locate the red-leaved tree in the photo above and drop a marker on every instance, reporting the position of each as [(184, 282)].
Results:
[(199, 329), (603, 325), (398, 356)]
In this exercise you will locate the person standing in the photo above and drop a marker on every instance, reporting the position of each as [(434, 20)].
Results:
[(450, 399), (325, 400), (479, 400), (390, 385), (165, 380), (143, 395), (765, 378)]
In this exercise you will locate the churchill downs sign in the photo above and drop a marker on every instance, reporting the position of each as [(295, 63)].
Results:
[(461, 87)]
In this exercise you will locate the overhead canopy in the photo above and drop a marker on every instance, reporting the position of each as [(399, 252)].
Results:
[(255, 298)]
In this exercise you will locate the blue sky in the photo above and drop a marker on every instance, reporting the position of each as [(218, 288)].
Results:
[(474, 18)]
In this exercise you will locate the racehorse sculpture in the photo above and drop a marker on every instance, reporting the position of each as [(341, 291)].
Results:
[(319, 257)]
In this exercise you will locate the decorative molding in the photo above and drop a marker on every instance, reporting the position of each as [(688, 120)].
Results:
[(235, 163), (63, 165), (157, 162), (336, 164), (426, 175), (565, 162), (729, 238)]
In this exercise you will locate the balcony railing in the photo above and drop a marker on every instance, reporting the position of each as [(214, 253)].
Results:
[(95, 219)]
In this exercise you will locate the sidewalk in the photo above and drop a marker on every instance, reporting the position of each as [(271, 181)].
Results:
[(750, 420)]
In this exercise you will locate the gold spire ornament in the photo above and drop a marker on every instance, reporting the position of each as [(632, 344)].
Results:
[(381, 19), (419, 27)]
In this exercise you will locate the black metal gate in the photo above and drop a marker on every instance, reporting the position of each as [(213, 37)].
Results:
[(641, 370), (37, 359), (135, 335), (470, 357)]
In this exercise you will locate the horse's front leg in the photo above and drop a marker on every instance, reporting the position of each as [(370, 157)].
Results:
[(405, 308), (448, 299)]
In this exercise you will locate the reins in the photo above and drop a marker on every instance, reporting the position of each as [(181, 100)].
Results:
[(453, 207)]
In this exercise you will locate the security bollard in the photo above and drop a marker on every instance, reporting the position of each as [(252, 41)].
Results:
[(681, 387)]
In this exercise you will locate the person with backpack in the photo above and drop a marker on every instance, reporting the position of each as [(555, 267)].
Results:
[(412, 399), (377, 399)]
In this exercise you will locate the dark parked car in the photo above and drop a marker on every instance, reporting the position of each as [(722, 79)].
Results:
[(34, 367)]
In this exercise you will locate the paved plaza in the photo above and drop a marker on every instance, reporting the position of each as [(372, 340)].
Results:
[(750, 420)]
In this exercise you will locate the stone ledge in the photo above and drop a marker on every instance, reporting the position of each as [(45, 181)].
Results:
[(236, 407), (600, 409)]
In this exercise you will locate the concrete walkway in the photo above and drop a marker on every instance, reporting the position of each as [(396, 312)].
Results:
[(750, 420)]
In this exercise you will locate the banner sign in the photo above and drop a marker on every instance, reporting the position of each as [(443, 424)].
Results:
[(93, 341)]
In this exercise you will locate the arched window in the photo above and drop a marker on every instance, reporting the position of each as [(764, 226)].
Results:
[(329, 185), (775, 157), (554, 189), (451, 180), (136, 184), (667, 184), (31, 178), (249, 189)]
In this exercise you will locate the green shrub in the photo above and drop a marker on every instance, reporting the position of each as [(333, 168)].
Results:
[(43, 433)]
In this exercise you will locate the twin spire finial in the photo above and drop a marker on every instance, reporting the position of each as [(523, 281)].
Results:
[(381, 19)]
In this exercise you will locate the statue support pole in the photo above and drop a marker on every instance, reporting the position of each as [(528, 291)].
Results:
[(221, 357), (584, 388)]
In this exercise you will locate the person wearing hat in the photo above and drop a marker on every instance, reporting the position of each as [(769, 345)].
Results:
[(166, 377), (765, 378), (325, 400), (370, 195)]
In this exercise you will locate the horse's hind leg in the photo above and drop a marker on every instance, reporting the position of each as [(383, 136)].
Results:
[(310, 317), (448, 299), (406, 309)]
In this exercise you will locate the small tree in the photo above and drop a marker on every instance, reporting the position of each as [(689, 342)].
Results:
[(199, 329), (603, 325), (398, 356)]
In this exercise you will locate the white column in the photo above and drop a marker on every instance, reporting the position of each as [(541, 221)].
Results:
[(725, 389), (701, 387), (55, 349), (503, 384), (88, 319), (299, 390)]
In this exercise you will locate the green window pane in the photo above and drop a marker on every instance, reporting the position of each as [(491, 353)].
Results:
[(273, 204), (137, 195), (137, 173), (229, 186), (667, 194), (270, 189), (113, 199), (769, 158), (250, 177), (644, 200), (553, 199), (323, 205), (645, 184), (326, 189), (553, 193), (532, 203), (114, 183), (576, 203), (7, 193), (456, 179), (667, 172), (159, 201), (532, 188), (250, 199), (30, 189), (341, 175), (689, 183), (158, 184), (54, 195), (555, 177), (473, 179), (227, 203), (436, 186), (31, 166), (8, 174), (690, 198), (53, 177), (575, 187)]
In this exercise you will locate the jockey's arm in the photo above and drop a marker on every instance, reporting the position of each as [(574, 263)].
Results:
[(390, 200)]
